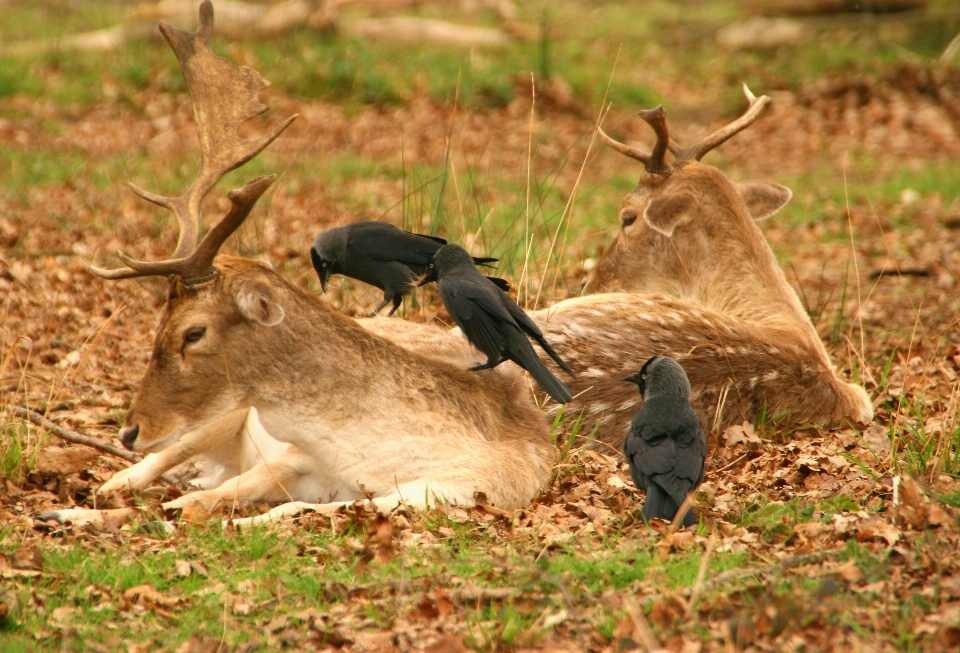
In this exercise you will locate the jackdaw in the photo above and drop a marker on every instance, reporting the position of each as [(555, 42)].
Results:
[(491, 321), (381, 255), (665, 446)]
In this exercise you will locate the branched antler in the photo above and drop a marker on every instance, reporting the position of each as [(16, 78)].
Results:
[(224, 96), (657, 119), (696, 151), (653, 161)]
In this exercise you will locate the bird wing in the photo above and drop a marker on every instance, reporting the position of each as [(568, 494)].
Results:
[(691, 448), (384, 242), (529, 327), (478, 325), (484, 295), (666, 445)]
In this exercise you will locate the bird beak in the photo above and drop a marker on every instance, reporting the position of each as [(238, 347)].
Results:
[(633, 378), (321, 271), (426, 278)]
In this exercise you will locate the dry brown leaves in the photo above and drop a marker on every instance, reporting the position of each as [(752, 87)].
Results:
[(75, 346)]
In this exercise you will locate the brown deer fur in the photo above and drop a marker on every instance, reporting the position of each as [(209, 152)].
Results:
[(350, 414)]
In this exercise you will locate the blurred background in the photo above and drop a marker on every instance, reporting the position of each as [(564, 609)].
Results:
[(475, 120)]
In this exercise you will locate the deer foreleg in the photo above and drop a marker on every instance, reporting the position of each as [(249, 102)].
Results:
[(420, 495), (201, 440), (268, 482)]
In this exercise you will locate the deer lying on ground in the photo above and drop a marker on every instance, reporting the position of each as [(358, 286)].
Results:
[(351, 416), (238, 347), (691, 276)]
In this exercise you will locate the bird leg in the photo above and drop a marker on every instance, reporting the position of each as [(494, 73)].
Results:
[(380, 308), (489, 365), (397, 300)]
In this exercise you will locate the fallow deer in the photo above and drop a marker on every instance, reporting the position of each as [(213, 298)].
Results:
[(237, 346), (695, 281), (690, 276)]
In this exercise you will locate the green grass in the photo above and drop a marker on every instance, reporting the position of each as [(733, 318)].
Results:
[(259, 564), (675, 42)]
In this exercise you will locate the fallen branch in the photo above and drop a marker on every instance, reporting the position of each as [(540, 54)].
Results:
[(72, 436), (483, 593)]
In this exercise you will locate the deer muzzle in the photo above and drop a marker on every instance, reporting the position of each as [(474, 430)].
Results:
[(128, 436)]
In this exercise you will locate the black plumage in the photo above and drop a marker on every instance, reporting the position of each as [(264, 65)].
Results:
[(665, 446), (491, 320), (381, 255)]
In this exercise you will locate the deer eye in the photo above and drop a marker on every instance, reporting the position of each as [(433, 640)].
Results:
[(193, 335), (628, 217)]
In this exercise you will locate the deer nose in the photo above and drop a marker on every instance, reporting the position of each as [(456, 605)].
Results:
[(129, 435)]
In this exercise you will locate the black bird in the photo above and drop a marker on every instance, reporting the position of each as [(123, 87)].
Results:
[(379, 254), (665, 446), (491, 320)]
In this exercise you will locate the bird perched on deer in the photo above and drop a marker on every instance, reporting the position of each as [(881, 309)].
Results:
[(665, 446), (492, 321), (381, 255)]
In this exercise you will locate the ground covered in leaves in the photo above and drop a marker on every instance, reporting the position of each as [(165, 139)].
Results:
[(844, 540)]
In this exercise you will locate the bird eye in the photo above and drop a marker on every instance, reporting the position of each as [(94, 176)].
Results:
[(431, 266), (643, 376), (323, 264)]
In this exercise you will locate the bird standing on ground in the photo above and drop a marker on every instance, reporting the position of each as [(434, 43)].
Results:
[(665, 446), (381, 255), (491, 321)]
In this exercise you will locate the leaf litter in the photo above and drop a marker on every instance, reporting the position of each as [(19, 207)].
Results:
[(808, 539)]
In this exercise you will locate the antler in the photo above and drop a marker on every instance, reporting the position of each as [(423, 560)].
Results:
[(224, 97), (653, 162), (696, 151), (657, 119)]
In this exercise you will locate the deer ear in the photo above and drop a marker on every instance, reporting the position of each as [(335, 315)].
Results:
[(256, 304), (665, 213), (762, 198)]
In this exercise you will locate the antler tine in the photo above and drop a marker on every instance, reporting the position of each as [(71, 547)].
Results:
[(652, 161), (756, 106), (224, 96), (622, 148), (657, 119)]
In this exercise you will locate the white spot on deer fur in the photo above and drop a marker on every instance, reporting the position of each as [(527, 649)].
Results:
[(627, 405), (770, 376), (753, 382), (592, 372), (773, 351)]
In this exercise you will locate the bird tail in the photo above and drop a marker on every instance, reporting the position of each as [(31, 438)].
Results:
[(502, 284), (661, 505), (528, 360), (484, 260), (554, 355)]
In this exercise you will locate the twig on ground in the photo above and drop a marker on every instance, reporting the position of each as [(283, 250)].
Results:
[(735, 574), (72, 436), (701, 573), (641, 627)]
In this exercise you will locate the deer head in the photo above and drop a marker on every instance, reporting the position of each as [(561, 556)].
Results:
[(689, 232), (187, 380)]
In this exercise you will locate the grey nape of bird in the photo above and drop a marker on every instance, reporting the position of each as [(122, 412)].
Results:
[(381, 255), (492, 321), (665, 447)]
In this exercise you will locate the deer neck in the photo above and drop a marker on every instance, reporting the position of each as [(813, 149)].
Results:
[(743, 278)]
